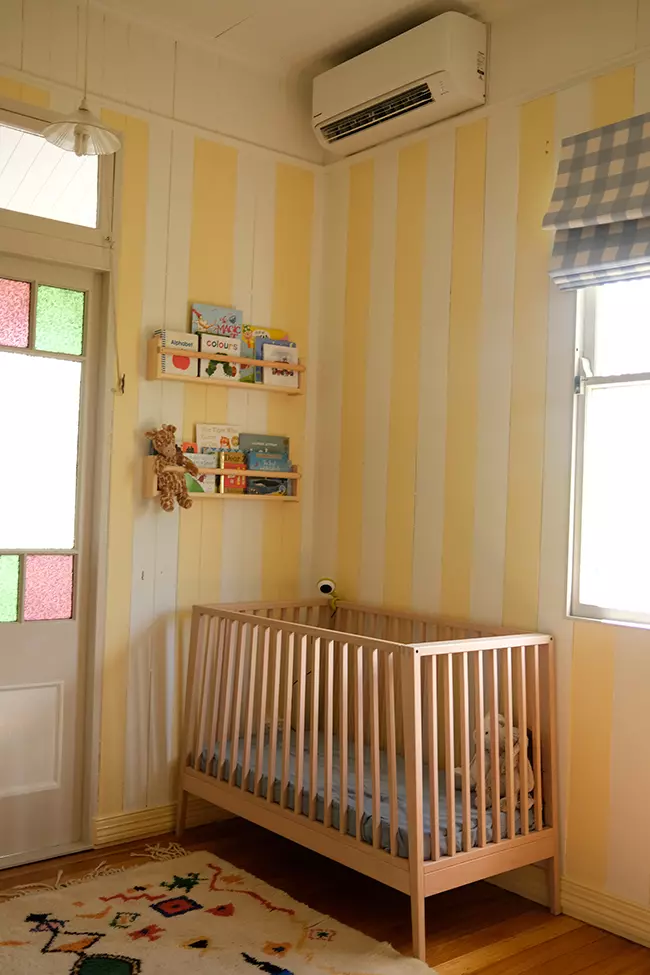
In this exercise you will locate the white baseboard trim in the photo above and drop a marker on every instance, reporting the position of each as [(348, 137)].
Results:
[(529, 882), (622, 917), (603, 910), (140, 823)]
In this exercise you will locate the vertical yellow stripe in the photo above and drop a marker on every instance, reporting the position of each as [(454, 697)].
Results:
[(462, 397), (355, 337), (24, 93), (613, 96), (212, 244), (132, 243), (404, 394), (528, 393), (592, 685), (294, 217), (592, 675)]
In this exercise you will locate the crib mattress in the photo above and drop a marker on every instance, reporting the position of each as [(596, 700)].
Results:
[(366, 817)]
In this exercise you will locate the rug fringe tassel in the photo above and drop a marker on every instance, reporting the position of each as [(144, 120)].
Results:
[(154, 852)]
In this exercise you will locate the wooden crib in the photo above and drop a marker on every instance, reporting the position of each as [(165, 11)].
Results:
[(353, 733)]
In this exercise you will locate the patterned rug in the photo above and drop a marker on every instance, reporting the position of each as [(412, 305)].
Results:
[(194, 914)]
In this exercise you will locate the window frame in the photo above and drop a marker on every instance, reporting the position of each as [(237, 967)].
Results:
[(34, 119), (585, 348)]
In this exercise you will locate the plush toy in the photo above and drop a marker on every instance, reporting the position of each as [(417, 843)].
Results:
[(518, 758), (171, 483)]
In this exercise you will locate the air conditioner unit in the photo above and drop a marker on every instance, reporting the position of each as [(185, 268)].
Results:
[(427, 74)]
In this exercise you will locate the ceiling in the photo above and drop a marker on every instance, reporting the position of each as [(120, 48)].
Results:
[(292, 36)]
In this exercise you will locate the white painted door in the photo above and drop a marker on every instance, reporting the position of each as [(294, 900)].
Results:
[(48, 378)]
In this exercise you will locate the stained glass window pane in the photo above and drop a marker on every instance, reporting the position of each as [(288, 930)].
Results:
[(48, 587), (14, 313), (39, 409), (59, 320), (9, 568)]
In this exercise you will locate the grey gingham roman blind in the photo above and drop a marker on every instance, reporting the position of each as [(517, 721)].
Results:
[(600, 209)]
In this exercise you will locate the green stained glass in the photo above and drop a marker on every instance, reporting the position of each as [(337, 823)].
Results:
[(9, 569), (59, 320)]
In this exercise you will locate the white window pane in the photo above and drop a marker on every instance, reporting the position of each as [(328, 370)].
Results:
[(622, 328), (39, 429), (45, 181), (615, 539)]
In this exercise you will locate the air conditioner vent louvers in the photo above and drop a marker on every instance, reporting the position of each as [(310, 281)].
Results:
[(394, 105)]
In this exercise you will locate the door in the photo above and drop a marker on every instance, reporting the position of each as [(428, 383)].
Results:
[(48, 379)]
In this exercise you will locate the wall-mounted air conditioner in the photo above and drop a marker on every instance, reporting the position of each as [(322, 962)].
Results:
[(427, 74)]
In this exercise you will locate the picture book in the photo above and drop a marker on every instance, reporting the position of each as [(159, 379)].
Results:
[(264, 443), (236, 461), (202, 483), (217, 320), (283, 357), (261, 461), (249, 334), (260, 342), (189, 447), (267, 485), (211, 437), (213, 368), (177, 363)]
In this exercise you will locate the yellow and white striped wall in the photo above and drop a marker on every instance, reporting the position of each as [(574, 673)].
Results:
[(443, 471)]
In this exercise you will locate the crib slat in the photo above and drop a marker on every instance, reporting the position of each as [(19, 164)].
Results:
[(261, 718), (216, 690), (187, 754), (343, 741), (374, 748), (479, 697), (522, 721), (328, 731), (511, 800), (313, 728), (391, 751), (227, 698), (301, 682), (537, 741), (277, 639), (250, 707), (358, 739), (238, 692), (286, 721), (448, 697), (431, 678), (495, 772), (203, 671), (464, 753)]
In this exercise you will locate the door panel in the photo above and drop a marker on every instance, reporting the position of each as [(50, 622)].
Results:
[(48, 343)]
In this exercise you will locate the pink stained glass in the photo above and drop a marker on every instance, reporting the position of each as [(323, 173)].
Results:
[(14, 313), (48, 587)]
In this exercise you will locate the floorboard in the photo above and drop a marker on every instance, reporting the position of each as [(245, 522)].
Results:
[(475, 930)]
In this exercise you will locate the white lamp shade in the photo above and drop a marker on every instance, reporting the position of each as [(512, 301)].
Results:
[(83, 133)]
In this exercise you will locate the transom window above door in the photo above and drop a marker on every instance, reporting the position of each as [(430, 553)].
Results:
[(40, 179), (42, 339)]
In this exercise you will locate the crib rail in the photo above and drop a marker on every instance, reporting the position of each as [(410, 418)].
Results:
[(410, 738)]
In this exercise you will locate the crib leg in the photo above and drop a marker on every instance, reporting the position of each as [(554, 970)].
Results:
[(181, 813), (553, 874), (418, 927)]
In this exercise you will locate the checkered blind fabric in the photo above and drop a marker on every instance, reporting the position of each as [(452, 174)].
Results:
[(600, 209)]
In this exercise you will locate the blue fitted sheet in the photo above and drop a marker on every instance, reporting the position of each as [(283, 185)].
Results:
[(366, 819)]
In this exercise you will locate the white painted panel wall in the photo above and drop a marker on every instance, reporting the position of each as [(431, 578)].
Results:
[(143, 68)]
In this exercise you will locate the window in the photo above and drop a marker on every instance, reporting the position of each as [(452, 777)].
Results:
[(42, 180), (611, 561), (42, 358)]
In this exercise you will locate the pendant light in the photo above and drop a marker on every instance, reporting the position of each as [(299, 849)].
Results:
[(82, 132)]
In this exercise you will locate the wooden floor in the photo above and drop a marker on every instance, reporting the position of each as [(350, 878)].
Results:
[(477, 930)]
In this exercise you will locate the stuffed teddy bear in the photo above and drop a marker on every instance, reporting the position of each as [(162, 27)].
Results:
[(171, 483), (517, 758)]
